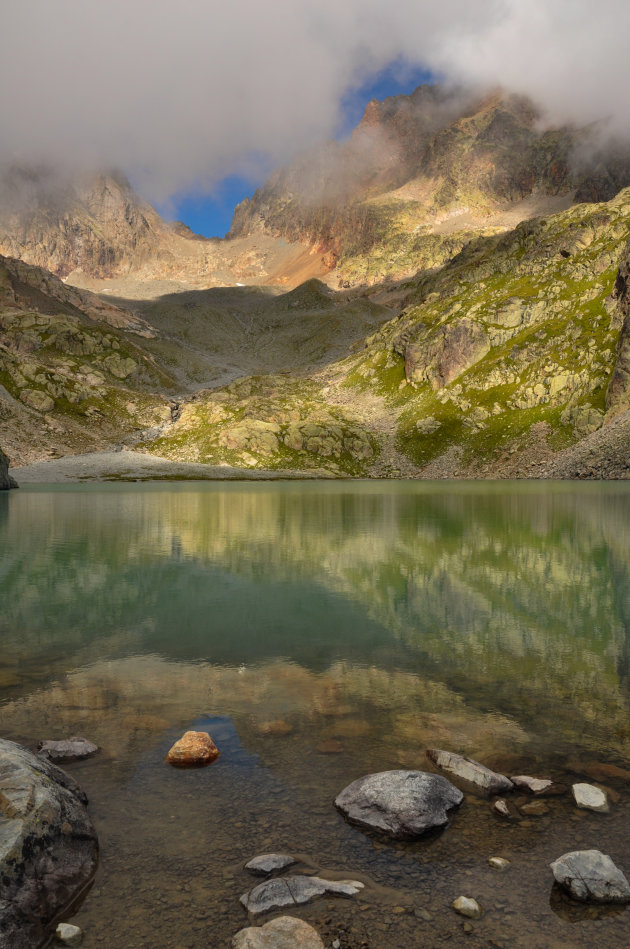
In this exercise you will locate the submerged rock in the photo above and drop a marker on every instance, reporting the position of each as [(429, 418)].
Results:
[(69, 935), (536, 786), (48, 845), (498, 863), (268, 862), (288, 891), (285, 932), (401, 804), (590, 798), (500, 807), (72, 749), (470, 770), (535, 809), (466, 906), (193, 750), (591, 876)]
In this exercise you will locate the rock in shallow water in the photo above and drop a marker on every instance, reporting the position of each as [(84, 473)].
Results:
[(268, 862), (535, 786), (590, 798), (470, 770), (72, 749), (591, 876), (193, 750), (466, 906), (401, 804), (289, 891), (48, 846), (69, 935), (282, 933)]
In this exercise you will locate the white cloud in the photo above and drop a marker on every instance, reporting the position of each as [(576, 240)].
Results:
[(179, 93)]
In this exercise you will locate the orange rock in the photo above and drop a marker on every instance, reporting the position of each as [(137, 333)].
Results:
[(193, 750)]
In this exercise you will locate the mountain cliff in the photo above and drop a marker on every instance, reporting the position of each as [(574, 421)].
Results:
[(420, 175), (97, 229)]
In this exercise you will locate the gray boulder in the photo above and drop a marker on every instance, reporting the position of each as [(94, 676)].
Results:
[(71, 749), (48, 846), (6, 481), (471, 771), (591, 876), (285, 932), (295, 890), (401, 804)]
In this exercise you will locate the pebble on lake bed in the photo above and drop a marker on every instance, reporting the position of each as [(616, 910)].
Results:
[(498, 863), (193, 750), (535, 809), (466, 906), (68, 935), (500, 807), (590, 798)]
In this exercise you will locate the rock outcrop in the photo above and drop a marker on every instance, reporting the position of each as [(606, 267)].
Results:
[(48, 846), (400, 804), (6, 481)]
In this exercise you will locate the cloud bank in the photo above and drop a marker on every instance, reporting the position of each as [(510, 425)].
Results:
[(180, 94)]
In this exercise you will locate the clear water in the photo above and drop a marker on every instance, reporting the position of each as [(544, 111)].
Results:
[(491, 620)]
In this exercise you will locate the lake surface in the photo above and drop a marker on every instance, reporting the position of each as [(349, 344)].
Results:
[(320, 632)]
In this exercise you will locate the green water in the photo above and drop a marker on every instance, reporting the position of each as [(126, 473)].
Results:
[(291, 620)]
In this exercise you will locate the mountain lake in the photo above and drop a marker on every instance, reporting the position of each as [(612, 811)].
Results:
[(320, 632)]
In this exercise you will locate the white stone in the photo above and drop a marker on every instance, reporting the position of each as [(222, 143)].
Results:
[(466, 906), (498, 863), (590, 797), (533, 785), (68, 934)]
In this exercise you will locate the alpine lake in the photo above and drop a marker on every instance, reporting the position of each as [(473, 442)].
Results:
[(320, 632)]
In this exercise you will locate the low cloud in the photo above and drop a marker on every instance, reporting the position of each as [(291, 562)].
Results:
[(178, 95)]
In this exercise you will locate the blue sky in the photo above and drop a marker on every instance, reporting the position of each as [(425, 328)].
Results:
[(211, 215)]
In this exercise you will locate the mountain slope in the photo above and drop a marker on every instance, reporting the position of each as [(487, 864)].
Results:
[(97, 229)]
